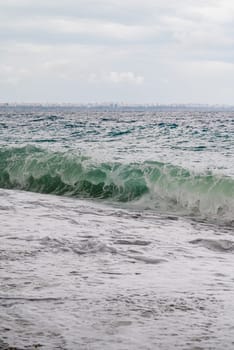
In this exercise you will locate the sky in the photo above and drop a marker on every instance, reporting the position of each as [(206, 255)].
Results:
[(126, 51)]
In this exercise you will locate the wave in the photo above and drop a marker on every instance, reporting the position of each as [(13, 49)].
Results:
[(149, 185)]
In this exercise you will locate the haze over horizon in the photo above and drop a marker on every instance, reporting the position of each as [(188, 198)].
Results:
[(125, 51)]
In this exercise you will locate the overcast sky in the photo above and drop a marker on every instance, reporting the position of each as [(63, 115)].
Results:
[(132, 51)]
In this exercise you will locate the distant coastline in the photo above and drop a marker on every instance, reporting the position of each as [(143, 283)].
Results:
[(119, 107)]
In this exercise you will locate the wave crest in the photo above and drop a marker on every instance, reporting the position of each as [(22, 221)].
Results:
[(153, 185)]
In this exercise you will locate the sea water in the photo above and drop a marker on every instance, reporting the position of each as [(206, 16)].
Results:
[(116, 229)]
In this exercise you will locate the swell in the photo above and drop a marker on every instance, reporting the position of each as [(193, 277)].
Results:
[(154, 185)]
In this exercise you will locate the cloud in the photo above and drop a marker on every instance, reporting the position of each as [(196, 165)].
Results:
[(125, 77), (111, 30), (117, 78), (54, 30), (12, 75), (149, 51), (159, 23)]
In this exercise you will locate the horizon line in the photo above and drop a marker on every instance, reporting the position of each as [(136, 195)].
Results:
[(115, 104)]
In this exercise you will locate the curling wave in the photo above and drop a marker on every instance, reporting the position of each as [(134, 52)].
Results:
[(153, 185)]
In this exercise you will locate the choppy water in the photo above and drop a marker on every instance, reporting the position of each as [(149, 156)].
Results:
[(116, 230)]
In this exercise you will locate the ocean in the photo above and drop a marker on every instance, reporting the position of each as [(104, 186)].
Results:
[(116, 229)]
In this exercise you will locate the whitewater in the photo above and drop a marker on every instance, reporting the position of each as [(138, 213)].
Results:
[(116, 229)]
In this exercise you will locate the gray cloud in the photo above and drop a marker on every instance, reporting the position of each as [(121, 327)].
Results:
[(151, 51)]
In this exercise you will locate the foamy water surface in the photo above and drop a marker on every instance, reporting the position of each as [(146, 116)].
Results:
[(116, 231)]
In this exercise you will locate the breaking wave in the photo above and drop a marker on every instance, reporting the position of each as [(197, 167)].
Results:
[(152, 185)]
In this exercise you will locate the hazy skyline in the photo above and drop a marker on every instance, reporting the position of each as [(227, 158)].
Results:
[(130, 51)]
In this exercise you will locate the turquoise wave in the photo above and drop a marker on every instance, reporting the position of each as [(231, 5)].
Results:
[(153, 185)]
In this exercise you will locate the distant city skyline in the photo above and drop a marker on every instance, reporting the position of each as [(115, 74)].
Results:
[(128, 51), (114, 107)]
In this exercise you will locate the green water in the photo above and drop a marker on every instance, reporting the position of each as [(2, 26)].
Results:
[(180, 162)]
